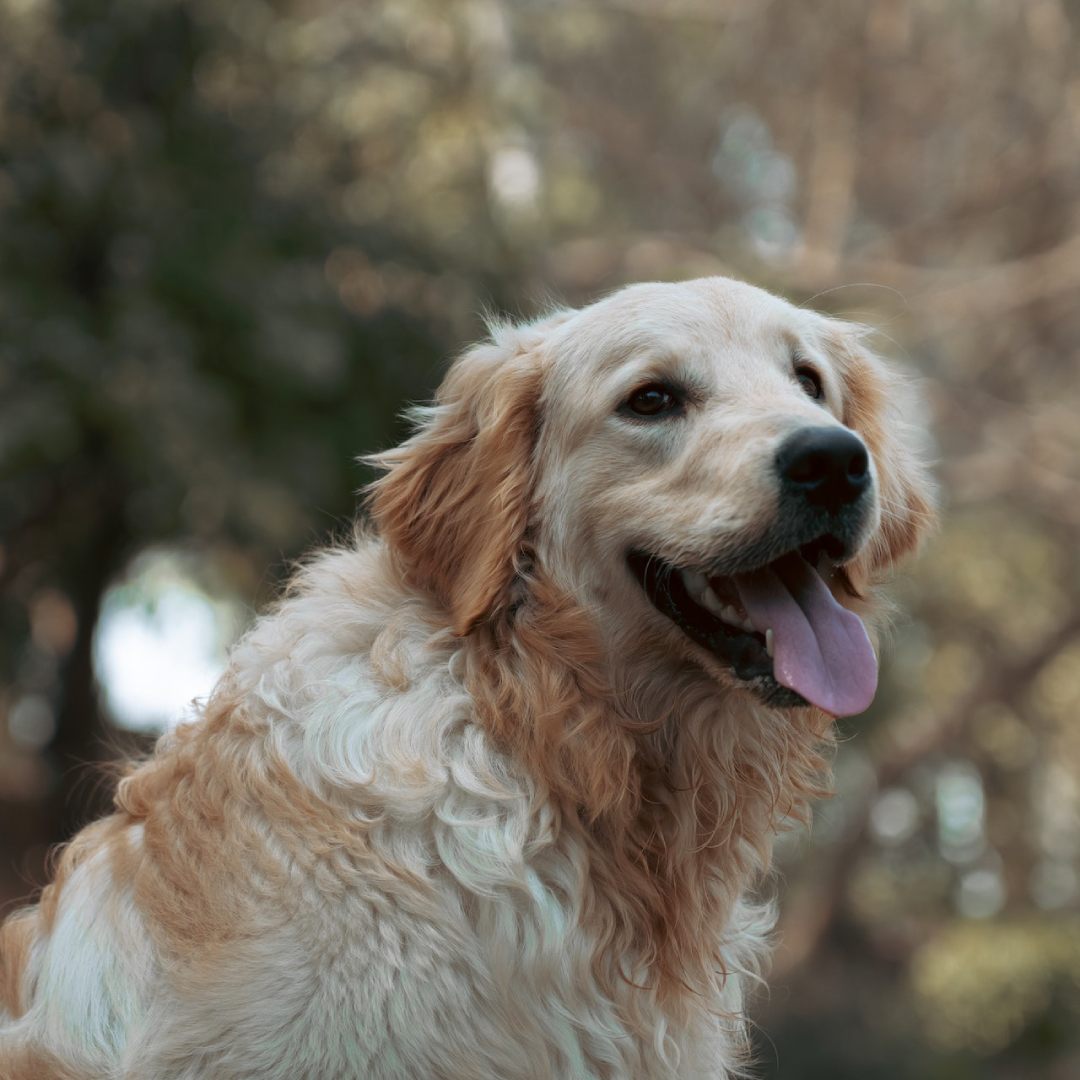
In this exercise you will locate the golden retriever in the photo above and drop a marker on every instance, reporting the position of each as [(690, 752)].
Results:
[(484, 795)]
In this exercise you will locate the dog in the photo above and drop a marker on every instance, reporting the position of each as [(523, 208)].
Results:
[(487, 793)]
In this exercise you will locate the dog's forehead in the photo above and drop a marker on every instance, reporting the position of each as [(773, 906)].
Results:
[(693, 318)]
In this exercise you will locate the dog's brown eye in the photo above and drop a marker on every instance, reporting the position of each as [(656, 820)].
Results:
[(810, 381), (652, 400)]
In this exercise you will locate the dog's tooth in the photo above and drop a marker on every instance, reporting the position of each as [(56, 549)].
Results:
[(729, 614), (695, 583), (768, 641), (711, 601)]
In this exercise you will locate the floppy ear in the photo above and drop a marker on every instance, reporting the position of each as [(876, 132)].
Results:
[(454, 503), (876, 402)]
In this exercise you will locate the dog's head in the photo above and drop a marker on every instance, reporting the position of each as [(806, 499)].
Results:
[(711, 471)]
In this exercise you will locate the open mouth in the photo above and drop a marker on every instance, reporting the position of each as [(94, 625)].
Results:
[(777, 626)]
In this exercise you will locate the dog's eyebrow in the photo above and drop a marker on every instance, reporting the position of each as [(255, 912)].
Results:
[(803, 348), (657, 353), (796, 344)]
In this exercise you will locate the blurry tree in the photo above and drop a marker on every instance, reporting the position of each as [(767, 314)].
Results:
[(175, 360), (235, 238)]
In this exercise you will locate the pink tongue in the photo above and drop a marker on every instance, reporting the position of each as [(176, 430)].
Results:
[(820, 649)]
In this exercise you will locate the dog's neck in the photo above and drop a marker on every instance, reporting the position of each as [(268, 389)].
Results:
[(678, 786)]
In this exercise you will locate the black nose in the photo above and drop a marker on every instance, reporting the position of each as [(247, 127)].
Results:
[(827, 466)]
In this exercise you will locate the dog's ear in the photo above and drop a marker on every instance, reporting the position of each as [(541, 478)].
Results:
[(454, 501), (878, 403)]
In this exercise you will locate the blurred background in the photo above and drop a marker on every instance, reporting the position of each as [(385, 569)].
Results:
[(236, 238)]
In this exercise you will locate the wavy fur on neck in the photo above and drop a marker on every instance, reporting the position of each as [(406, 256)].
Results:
[(677, 809)]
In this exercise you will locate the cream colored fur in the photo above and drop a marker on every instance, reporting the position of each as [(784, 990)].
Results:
[(465, 804)]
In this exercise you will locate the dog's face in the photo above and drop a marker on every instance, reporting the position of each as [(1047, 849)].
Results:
[(705, 466)]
